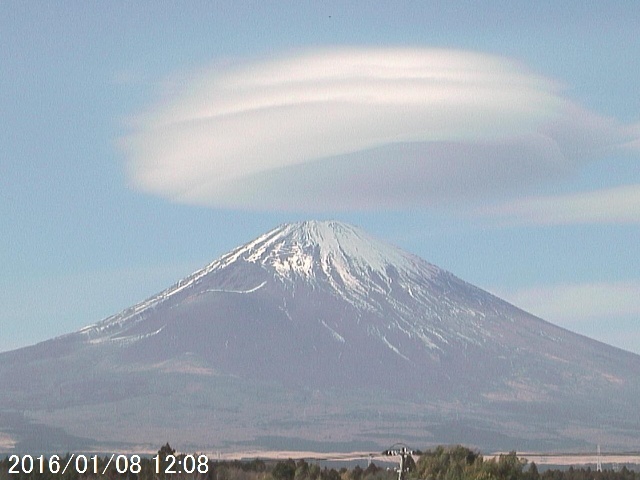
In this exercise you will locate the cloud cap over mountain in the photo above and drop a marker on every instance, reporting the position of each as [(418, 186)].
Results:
[(362, 128)]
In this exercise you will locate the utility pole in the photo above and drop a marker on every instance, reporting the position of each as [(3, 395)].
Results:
[(403, 452)]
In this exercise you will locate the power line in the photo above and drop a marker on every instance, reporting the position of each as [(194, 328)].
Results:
[(402, 451)]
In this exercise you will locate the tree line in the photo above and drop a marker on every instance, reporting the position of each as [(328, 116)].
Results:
[(441, 463), (461, 463)]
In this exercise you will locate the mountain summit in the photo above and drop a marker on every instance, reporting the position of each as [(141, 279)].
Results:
[(315, 333)]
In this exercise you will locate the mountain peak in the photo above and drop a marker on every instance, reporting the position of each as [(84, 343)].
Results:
[(320, 317), (331, 256), (323, 248)]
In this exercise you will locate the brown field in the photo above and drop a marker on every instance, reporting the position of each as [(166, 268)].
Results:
[(539, 458), (579, 459)]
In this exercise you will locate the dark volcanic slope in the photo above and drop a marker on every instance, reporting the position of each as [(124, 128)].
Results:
[(316, 331)]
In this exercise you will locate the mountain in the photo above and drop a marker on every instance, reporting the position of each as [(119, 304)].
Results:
[(317, 336)]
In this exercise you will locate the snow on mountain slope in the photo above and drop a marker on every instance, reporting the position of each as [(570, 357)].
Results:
[(339, 259), (411, 307), (321, 319)]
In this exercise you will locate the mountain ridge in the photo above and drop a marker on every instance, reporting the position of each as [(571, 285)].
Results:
[(318, 331)]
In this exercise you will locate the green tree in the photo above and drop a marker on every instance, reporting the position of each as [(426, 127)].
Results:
[(302, 470), (507, 467), (356, 473), (314, 471), (447, 463), (532, 473), (284, 470), (166, 450)]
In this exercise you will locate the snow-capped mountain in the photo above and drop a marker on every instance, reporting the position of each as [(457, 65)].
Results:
[(407, 294), (316, 331)]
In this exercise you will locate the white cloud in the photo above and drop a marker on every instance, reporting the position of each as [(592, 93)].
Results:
[(614, 205), (362, 128)]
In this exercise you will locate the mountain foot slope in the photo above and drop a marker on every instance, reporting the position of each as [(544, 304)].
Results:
[(317, 336)]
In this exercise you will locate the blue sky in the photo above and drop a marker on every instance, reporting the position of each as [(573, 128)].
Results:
[(498, 140)]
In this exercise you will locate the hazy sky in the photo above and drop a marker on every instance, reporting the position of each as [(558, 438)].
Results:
[(141, 140)]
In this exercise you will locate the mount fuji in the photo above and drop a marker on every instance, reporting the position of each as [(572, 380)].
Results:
[(316, 336)]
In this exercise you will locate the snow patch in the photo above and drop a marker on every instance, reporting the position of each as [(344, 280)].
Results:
[(393, 348), (125, 340), (334, 334), (251, 290)]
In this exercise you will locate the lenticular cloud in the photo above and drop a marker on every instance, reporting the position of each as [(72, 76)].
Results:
[(360, 129)]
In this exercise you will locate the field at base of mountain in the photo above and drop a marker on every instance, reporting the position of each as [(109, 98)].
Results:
[(441, 463)]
